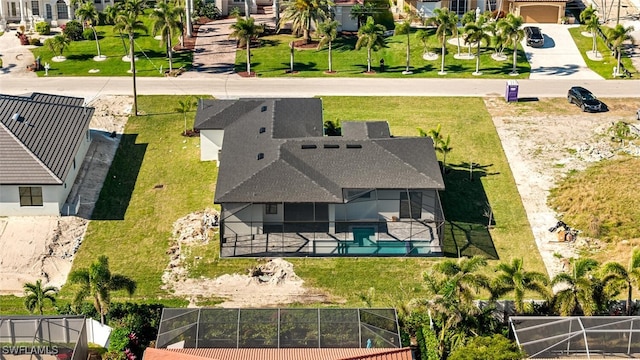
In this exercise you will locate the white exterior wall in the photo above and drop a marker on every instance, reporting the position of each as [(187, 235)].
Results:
[(343, 16), (210, 144), (10, 201), (273, 218), (426, 8), (245, 222), (24, 11)]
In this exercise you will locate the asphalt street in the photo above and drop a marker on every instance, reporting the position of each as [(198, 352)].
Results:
[(233, 86)]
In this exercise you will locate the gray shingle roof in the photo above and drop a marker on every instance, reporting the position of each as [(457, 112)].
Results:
[(39, 145), (303, 167)]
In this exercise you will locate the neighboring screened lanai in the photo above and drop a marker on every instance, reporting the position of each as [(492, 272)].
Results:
[(278, 328), (586, 337), (43, 337)]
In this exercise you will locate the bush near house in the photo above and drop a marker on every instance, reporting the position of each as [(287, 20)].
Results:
[(73, 30), (43, 28)]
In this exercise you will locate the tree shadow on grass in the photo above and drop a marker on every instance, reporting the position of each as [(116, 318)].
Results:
[(82, 57), (297, 66), (466, 207), (121, 180)]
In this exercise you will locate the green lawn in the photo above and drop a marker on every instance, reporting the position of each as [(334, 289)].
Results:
[(133, 220), (79, 54), (604, 68), (272, 59)]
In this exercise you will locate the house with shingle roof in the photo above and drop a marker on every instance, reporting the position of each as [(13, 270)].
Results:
[(43, 141), (286, 189)]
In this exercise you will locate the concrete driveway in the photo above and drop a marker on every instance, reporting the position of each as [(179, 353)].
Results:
[(559, 58)]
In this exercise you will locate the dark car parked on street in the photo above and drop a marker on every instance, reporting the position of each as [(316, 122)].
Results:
[(534, 36), (585, 100)]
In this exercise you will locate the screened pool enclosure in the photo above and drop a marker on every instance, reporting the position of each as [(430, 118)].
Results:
[(43, 337), (588, 337), (278, 328)]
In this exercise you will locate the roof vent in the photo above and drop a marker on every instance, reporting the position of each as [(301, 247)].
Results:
[(309, 146), (260, 156), (262, 130), (354, 146), (331, 146), (16, 117), (263, 109)]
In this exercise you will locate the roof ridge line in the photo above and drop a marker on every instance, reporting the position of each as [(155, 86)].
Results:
[(22, 145), (313, 181), (305, 175)]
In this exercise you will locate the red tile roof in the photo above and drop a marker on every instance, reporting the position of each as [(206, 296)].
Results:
[(277, 354)]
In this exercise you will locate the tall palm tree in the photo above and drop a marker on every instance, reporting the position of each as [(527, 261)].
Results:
[(592, 25), (98, 282), (511, 28), (58, 44), (371, 35), (128, 22), (446, 22), (629, 276), (304, 13), (588, 13), (462, 275), (578, 290), (404, 28), (245, 30), (166, 23), (111, 13), (328, 31), (423, 36), (445, 148), (36, 295), (514, 278), (617, 36), (184, 107), (476, 33), (87, 13)]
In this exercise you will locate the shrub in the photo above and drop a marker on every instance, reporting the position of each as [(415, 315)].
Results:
[(495, 347), (207, 10), (73, 30), (88, 34), (119, 339), (43, 28), (34, 41)]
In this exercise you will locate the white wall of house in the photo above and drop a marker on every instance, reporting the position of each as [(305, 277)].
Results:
[(273, 218), (244, 222), (343, 16), (357, 210), (31, 11), (210, 144), (10, 201), (426, 8)]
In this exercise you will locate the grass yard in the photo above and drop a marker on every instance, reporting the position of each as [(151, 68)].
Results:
[(149, 51), (397, 279), (272, 59), (603, 68)]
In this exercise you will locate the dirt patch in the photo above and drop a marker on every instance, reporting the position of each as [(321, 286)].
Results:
[(271, 283), (542, 146)]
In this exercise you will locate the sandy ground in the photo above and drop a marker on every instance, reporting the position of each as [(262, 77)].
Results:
[(43, 247), (536, 145)]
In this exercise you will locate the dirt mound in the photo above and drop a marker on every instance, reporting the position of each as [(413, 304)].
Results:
[(267, 284)]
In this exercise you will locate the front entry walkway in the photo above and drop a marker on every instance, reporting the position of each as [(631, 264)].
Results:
[(214, 52)]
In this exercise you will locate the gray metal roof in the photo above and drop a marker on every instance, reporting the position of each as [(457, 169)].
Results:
[(38, 145), (365, 129), (256, 166)]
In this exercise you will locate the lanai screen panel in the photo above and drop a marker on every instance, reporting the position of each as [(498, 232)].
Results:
[(602, 336), (278, 328)]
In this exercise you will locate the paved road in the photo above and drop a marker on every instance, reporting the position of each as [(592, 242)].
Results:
[(233, 86)]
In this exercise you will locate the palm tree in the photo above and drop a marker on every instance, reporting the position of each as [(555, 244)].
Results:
[(184, 108), (630, 276), (58, 44), (36, 295), (514, 278), (578, 288), (404, 28), (445, 148), (423, 36), (435, 135), (617, 36), (111, 13), (128, 21), (588, 13), (328, 31), (302, 14), (476, 33), (589, 17), (446, 22), (87, 13), (167, 22), (371, 35), (97, 281), (511, 29), (462, 275), (245, 30)]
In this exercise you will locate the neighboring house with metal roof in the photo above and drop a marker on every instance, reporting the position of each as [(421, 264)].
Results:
[(43, 141), (286, 189)]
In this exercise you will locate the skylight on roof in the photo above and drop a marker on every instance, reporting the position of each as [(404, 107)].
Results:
[(262, 130), (331, 146), (260, 156), (263, 109), (309, 146), (354, 146)]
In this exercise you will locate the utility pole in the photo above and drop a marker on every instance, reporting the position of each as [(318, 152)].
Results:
[(618, 17)]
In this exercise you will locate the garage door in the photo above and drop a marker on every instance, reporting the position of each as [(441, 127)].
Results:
[(539, 14)]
